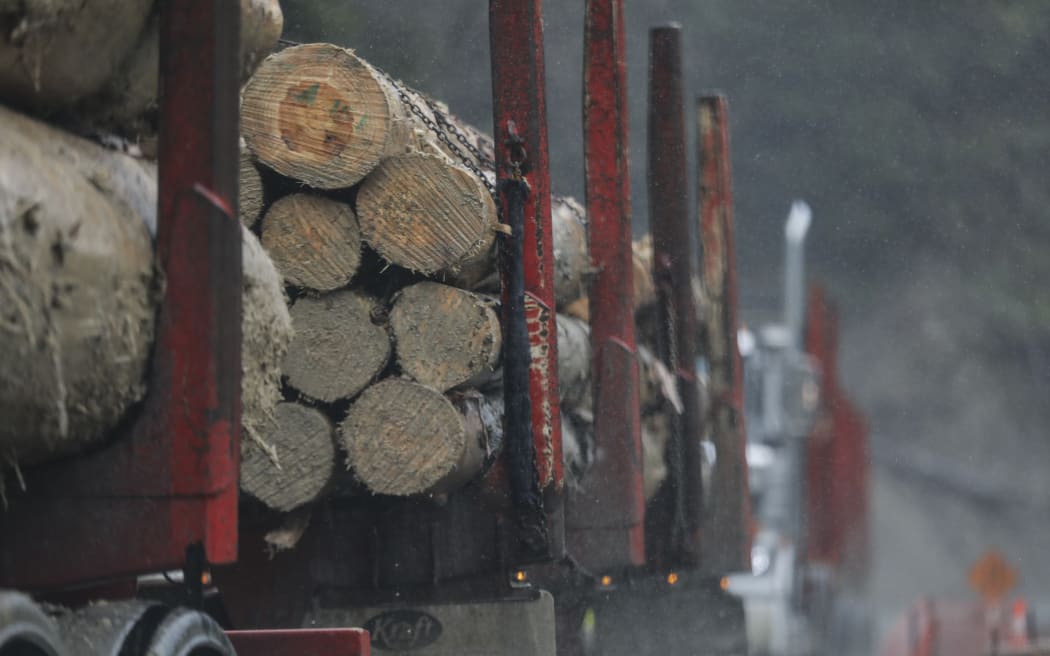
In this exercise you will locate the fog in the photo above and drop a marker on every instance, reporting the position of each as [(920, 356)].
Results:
[(919, 134)]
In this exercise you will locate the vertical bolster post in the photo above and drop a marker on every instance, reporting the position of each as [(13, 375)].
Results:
[(730, 517), (520, 131), (606, 516), (672, 274), (198, 347)]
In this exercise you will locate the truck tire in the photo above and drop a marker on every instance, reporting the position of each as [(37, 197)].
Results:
[(141, 628), (25, 630), (111, 628), (187, 632)]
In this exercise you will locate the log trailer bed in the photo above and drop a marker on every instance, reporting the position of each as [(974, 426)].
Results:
[(514, 563)]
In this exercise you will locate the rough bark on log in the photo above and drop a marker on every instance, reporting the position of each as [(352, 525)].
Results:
[(55, 52), (338, 348), (319, 114), (445, 337), (266, 331), (76, 288), (302, 439), (483, 422), (76, 285), (249, 190), (314, 241), (655, 433), (427, 214), (657, 389), (403, 438), (262, 22), (642, 264), (127, 103), (645, 295), (574, 362), (578, 444), (572, 259)]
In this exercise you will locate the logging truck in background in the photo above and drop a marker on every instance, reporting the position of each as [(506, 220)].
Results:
[(309, 365)]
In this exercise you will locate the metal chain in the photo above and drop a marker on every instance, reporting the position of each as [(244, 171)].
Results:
[(441, 130), (678, 528), (484, 158)]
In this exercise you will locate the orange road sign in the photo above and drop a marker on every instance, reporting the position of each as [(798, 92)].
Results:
[(992, 577)]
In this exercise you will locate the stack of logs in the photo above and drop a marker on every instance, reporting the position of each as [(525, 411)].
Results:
[(375, 205), (373, 208), (78, 286)]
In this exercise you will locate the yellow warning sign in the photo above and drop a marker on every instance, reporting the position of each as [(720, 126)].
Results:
[(992, 577)]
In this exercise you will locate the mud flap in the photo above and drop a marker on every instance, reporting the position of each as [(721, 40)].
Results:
[(507, 627), (671, 621)]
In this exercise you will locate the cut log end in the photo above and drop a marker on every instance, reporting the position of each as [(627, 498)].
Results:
[(402, 438), (445, 337), (314, 241), (338, 348), (426, 214), (292, 458), (318, 114)]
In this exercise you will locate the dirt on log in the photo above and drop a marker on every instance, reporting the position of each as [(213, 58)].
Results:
[(340, 345), (127, 103), (266, 331), (76, 288), (572, 259), (299, 463), (445, 337), (655, 434), (574, 362), (314, 241), (249, 190), (262, 22), (55, 52), (403, 438)]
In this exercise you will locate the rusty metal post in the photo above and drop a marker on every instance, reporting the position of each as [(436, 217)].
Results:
[(605, 518), (169, 479), (672, 273), (729, 520), (520, 131)]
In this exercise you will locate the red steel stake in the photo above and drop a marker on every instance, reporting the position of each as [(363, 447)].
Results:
[(605, 519), (169, 480), (672, 273), (520, 131), (730, 519)]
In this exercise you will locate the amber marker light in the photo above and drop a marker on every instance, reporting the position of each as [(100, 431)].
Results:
[(606, 580), (672, 578)]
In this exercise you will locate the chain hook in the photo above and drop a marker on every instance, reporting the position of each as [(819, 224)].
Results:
[(517, 154)]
